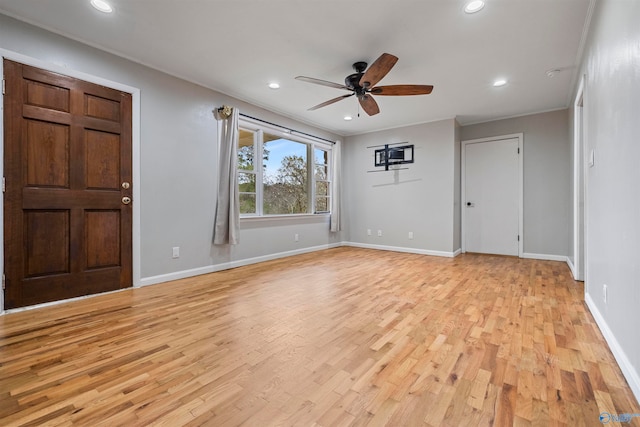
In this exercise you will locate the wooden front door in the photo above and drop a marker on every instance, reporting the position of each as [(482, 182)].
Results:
[(67, 208)]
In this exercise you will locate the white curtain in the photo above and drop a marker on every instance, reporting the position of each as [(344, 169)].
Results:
[(336, 163), (227, 222)]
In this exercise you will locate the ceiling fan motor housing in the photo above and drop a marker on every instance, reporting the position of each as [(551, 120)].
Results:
[(352, 81)]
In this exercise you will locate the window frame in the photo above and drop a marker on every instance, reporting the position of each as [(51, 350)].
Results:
[(327, 180), (257, 173), (311, 143)]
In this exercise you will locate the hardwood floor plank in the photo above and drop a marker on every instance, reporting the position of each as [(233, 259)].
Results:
[(347, 336)]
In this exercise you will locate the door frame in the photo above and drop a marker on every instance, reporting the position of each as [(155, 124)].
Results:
[(135, 147), (578, 268), (463, 216)]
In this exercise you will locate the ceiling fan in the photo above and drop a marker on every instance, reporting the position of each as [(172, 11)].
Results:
[(363, 84)]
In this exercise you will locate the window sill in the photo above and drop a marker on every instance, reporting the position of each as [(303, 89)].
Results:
[(289, 219)]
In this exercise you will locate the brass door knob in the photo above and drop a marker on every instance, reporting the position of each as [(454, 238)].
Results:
[(126, 200)]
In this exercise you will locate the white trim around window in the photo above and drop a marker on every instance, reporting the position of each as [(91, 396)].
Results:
[(312, 144)]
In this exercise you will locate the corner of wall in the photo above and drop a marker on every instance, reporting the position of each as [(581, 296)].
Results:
[(630, 373)]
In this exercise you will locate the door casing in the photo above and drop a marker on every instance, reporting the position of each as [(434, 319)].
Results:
[(578, 266)]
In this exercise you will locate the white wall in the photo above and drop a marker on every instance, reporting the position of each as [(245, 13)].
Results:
[(612, 114), (178, 157), (547, 177), (420, 199)]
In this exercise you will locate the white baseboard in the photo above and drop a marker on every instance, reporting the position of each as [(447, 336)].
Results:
[(152, 280), (572, 268), (183, 274), (545, 257), (177, 275), (58, 302), (402, 249), (628, 370)]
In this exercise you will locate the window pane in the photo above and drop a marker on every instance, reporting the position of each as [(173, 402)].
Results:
[(321, 172), (245, 150), (321, 157), (322, 188), (285, 176), (246, 182), (247, 203), (322, 204)]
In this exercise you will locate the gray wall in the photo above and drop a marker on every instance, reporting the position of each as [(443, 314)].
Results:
[(547, 176), (612, 114), (457, 190), (178, 159), (419, 199)]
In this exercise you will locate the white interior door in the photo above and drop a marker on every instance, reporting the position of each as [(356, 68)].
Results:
[(491, 189)]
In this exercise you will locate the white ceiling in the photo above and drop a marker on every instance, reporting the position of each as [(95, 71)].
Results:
[(238, 47)]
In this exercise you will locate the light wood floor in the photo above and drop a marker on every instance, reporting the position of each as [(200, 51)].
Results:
[(334, 338)]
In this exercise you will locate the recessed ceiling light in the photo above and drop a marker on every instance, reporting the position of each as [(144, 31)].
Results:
[(274, 85), (102, 6), (347, 118), (500, 82), (474, 6)]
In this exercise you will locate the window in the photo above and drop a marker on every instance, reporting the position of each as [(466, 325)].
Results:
[(281, 174), (321, 171), (247, 176)]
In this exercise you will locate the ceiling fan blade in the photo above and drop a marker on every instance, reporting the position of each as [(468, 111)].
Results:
[(321, 82), (378, 70), (369, 105), (402, 90), (331, 101)]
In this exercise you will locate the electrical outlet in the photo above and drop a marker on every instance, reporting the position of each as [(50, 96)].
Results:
[(411, 235), (176, 252), (368, 232), (604, 293), (379, 233), (296, 237)]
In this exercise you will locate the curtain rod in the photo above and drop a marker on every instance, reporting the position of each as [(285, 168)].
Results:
[(282, 127)]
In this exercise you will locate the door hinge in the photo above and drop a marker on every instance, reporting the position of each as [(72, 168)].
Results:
[(518, 237), (4, 281), (4, 184), (518, 150), (3, 86)]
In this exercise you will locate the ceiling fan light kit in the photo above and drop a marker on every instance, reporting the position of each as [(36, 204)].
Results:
[(362, 84)]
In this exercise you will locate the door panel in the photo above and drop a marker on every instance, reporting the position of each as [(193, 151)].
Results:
[(102, 230), (47, 159), (102, 160), (67, 153), (492, 194), (42, 228)]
